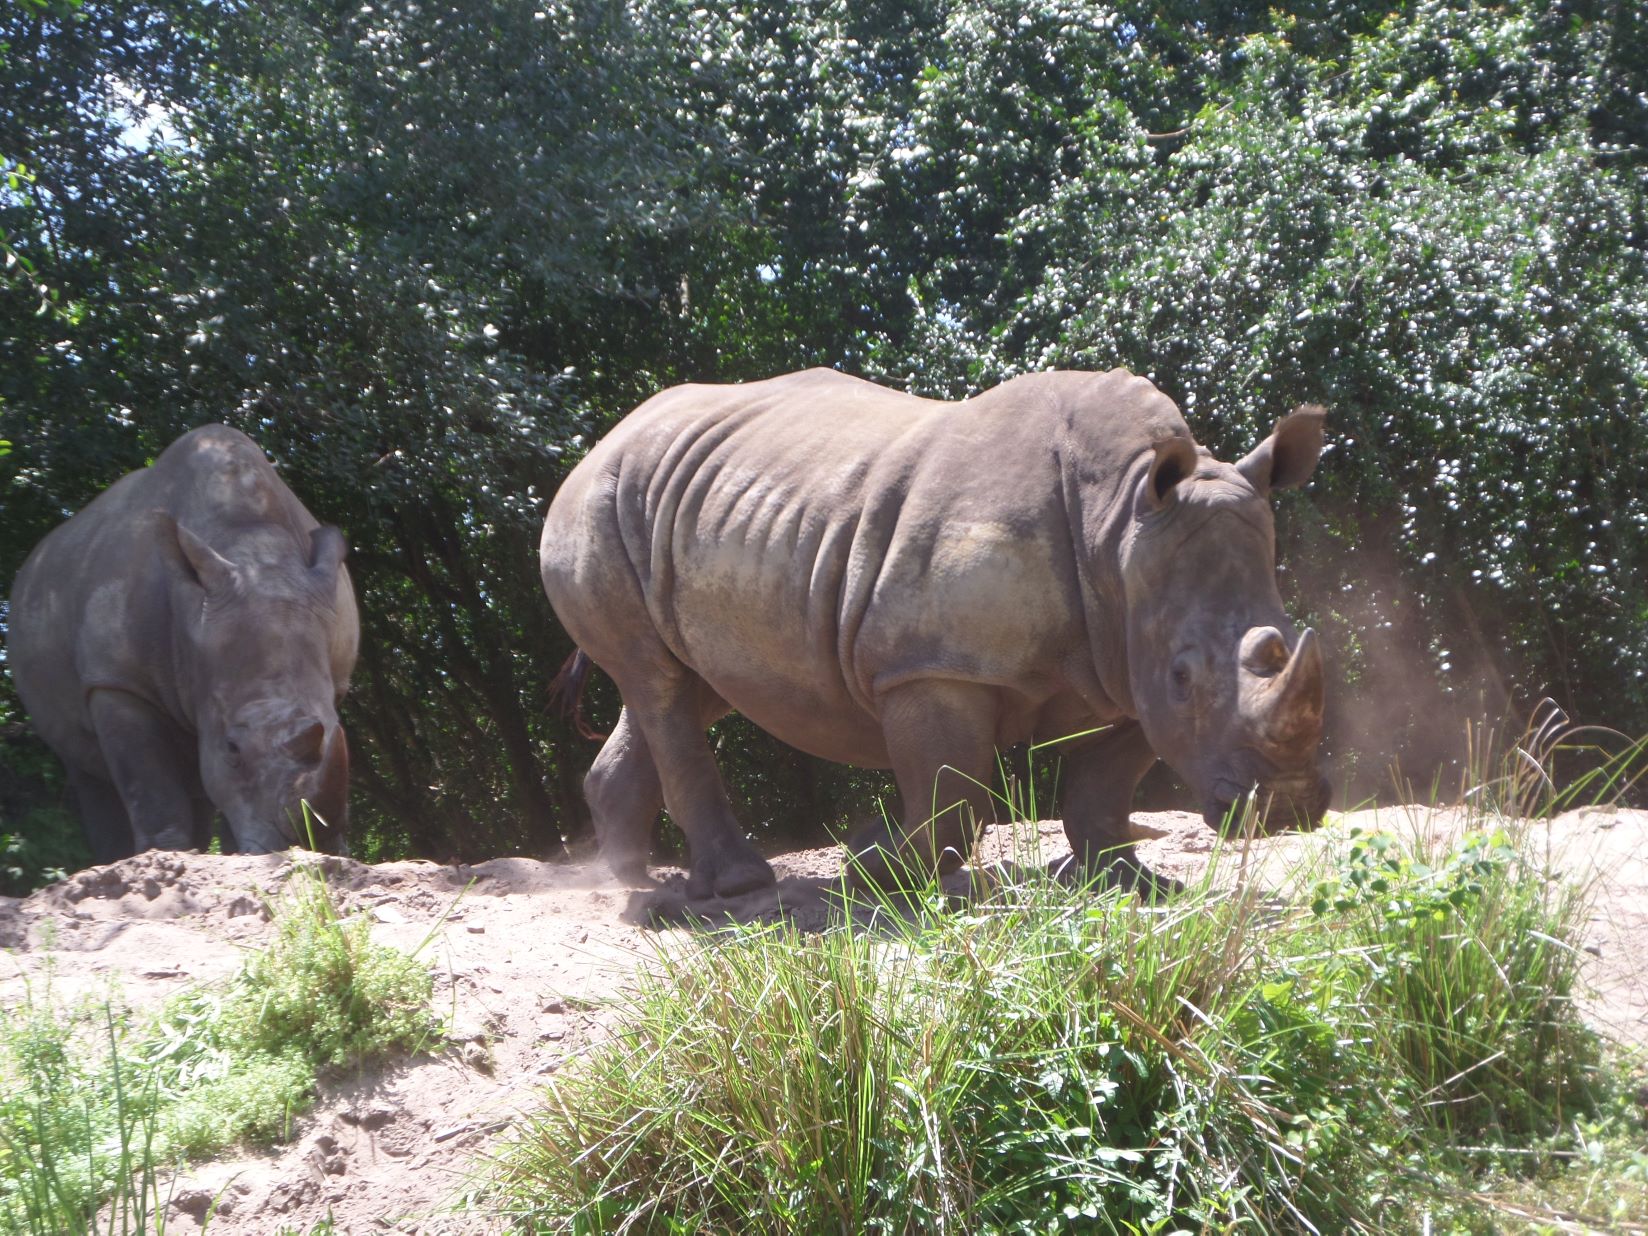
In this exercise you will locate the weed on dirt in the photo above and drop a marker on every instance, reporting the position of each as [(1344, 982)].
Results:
[(98, 1108)]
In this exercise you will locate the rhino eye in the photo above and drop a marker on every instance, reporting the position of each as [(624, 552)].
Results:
[(1179, 678), (233, 749)]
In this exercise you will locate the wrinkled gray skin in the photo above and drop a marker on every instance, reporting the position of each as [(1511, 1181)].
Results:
[(182, 644), (890, 581)]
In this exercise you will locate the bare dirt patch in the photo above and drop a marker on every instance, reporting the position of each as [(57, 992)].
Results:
[(527, 957)]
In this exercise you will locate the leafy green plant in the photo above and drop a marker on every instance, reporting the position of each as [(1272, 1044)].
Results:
[(1471, 973), (46, 845), (324, 985), (78, 1138)]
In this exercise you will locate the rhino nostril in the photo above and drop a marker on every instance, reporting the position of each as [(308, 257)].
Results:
[(1264, 652)]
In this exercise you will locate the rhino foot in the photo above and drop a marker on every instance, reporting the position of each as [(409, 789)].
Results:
[(1119, 868), (628, 868), (730, 877)]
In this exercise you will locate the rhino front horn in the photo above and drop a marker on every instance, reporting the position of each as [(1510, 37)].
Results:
[(1296, 696)]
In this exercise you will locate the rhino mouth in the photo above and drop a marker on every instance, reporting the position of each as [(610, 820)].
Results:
[(1297, 804)]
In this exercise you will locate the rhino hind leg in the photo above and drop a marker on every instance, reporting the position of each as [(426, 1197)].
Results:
[(152, 765), (1099, 779), (624, 797), (941, 737), (625, 794), (102, 817), (668, 716)]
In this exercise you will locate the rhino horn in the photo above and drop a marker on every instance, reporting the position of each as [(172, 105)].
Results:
[(1294, 698)]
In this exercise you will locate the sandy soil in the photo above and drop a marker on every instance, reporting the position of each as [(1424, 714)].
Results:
[(528, 954)]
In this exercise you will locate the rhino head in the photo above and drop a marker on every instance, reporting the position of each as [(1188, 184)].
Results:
[(1225, 690), (264, 700)]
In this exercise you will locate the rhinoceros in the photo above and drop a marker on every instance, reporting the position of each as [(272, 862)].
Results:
[(890, 581), (182, 644)]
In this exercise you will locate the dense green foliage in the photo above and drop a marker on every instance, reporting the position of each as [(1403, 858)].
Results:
[(98, 1107), (1066, 1062), (426, 252)]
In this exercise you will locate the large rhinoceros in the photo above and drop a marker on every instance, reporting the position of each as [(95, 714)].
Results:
[(182, 644), (890, 581)]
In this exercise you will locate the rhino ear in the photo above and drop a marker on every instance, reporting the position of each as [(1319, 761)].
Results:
[(212, 569), (1175, 460), (1286, 459), (327, 550)]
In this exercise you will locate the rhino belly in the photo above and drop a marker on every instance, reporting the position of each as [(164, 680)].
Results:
[(777, 664)]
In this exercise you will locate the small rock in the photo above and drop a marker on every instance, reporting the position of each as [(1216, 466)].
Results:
[(387, 914), (288, 1195), (475, 929), (195, 1203), (466, 1031), (326, 1156), (373, 1117)]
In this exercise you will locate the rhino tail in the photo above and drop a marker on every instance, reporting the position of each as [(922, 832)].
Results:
[(566, 693)]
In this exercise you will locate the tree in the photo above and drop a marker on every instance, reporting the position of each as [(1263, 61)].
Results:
[(426, 253)]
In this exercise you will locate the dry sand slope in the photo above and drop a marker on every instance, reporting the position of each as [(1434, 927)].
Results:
[(524, 959)]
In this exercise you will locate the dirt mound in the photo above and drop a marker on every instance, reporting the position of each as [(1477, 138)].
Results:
[(525, 954)]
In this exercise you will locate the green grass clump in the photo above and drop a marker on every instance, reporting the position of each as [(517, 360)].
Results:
[(1076, 1061), (98, 1107)]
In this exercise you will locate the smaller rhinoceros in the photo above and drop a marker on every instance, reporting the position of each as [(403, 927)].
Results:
[(889, 581), (182, 644)]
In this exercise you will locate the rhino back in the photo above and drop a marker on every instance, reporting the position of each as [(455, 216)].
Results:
[(809, 542)]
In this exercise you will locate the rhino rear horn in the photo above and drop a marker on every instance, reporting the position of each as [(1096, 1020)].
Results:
[(1286, 459), (327, 549), (1295, 697)]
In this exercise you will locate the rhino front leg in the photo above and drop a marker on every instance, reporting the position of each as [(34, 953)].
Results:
[(941, 737), (669, 717), (152, 765), (1099, 778), (205, 815), (102, 817)]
